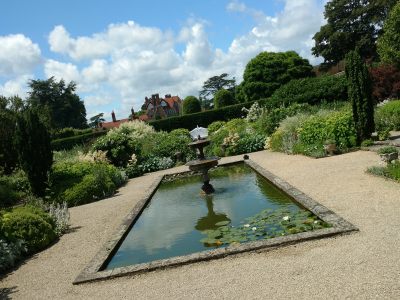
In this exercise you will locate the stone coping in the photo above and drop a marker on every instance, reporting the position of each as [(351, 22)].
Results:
[(95, 269)]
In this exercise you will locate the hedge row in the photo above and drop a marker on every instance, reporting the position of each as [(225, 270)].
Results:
[(70, 142), (202, 119)]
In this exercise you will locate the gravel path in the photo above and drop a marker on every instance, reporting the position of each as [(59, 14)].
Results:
[(362, 265)]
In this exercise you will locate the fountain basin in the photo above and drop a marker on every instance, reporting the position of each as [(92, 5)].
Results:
[(200, 165)]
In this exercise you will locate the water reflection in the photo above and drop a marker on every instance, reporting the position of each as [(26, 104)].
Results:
[(208, 222)]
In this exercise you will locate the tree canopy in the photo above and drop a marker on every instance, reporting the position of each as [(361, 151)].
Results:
[(389, 42), (191, 105), (59, 106), (269, 70), (96, 120), (350, 24), (223, 98)]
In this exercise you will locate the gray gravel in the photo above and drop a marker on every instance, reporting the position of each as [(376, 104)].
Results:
[(362, 265)]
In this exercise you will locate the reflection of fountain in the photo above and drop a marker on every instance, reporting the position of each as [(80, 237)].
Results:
[(208, 222), (202, 164)]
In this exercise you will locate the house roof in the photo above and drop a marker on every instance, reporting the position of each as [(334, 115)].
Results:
[(172, 100), (109, 125)]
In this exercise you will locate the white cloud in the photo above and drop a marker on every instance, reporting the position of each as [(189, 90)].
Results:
[(18, 55), (127, 61), (16, 87), (59, 70), (290, 29)]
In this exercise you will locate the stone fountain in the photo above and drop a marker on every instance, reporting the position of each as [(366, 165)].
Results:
[(202, 164)]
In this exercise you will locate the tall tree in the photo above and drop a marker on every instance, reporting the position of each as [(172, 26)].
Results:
[(60, 107), (268, 71), (34, 149), (191, 105), (350, 24), (223, 98), (389, 42), (96, 120), (213, 85), (9, 109), (360, 94)]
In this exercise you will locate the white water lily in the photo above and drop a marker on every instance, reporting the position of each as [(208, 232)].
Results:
[(254, 228), (285, 218), (246, 225)]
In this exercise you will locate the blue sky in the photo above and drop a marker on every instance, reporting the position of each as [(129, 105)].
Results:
[(120, 51)]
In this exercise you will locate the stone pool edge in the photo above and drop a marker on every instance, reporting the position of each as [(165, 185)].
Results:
[(92, 272)]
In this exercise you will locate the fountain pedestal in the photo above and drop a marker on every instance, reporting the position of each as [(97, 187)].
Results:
[(203, 164)]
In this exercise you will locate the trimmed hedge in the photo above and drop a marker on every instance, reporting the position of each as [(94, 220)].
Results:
[(70, 142), (312, 90), (202, 119)]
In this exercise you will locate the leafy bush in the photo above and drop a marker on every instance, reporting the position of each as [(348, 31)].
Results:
[(120, 143), (191, 105), (387, 117), (337, 126), (391, 171), (367, 143), (163, 144), (306, 134), (155, 163), (250, 143), (223, 98), (60, 215), (84, 182), (13, 188), (214, 126), (30, 224), (269, 121), (10, 253), (312, 90), (388, 150), (386, 82)]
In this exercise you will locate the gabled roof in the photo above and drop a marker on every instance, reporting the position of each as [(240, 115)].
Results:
[(109, 125)]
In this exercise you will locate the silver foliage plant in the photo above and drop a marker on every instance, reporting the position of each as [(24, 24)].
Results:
[(60, 214)]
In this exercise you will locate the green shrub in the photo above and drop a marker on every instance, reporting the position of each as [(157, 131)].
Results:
[(163, 144), (13, 188), (313, 90), (76, 140), (391, 171), (10, 253), (191, 105), (337, 126), (250, 143), (367, 143), (155, 163), (388, 150), (223, 98), (214, 126), (32, 225), (387, 117), (202, 119), (268, 122), (83, 182)]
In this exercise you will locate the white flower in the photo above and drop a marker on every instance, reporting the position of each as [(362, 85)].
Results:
[(285, 218), (315, 222), (254, 228), (246, 225)]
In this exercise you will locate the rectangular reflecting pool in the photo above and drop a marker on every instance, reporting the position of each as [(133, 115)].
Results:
[(180, 220)]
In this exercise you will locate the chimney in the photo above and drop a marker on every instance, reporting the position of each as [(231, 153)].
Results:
[(168, 96), (114, 119)]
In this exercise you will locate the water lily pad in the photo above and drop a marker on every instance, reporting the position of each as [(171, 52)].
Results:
[(222, 223)]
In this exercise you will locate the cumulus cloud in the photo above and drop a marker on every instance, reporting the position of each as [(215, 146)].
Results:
[(58, 70), (127, 61), (16, 87), (18, 55), (290, 29)]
